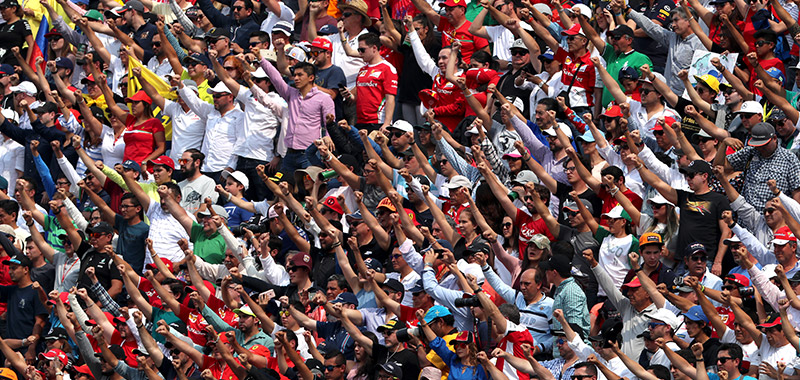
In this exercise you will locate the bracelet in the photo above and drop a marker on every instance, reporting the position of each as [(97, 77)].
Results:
[(329, 158), (702, 288), (336, 245), (613, 191), (528, 157), (476, 291), (29, 224), (24, 342), (639, 167), (229, 197), (140, 326), (732, 225), (699, 359), (638, 270)]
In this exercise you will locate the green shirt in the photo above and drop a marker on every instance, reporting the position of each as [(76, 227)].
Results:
[(53, 231), (209, 248), (617, 61)]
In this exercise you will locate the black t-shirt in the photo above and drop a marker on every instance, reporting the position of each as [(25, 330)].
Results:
[(45, 275), (660, 11), (372, 249), (324, 264), (406, 358), (104, 267), (332, 78), (23, 307), (12, 35), (509, 90), (412, 80), (700, 215), (689, 125)]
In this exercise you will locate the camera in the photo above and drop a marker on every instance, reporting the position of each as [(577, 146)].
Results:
[(255, 224), (678, 285), (404, 335), (746, 291), (471, 301)]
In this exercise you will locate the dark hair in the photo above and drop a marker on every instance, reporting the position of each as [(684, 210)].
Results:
[(544, 193), (368, 368), (660, 372), (248, 4), (10, 207), (687, 355), (134, 201), (430, 36), (510, 311), (176, 287), (31, 183), (275, 242), (291, 336), (734, 350), (341, 282), (483, 57), (767, 34), (614, 171), (196, 154), (172, 186), (370, 39), (589, 366), (549, 103), (340, 360), (307, 67)]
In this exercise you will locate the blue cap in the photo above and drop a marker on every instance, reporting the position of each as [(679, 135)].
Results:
[(356, 215), (346, 297), (696, 314), (3, 183), (418, 287), (587, 136), (327, 30), (548, 54), (6, 69), (197, 57), (445, 244), (374, 264), (65, 62), (436, 311), (628, 72), (777, 74), (131, 164)]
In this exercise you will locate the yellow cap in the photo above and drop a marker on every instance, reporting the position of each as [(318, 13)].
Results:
[(710, 81)]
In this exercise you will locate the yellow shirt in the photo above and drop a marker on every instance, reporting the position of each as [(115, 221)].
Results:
[(434, 358)]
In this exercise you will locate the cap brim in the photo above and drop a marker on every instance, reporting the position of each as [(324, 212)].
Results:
[(758, 142), (782, 242)]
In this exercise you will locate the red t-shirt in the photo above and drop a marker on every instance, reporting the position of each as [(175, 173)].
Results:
[(610, 202), (225, 313), (450, 103), (195, 325), (219, 369), (469, 42), (528, 227), (766, 64), (374, 82), (140, 139), (152, 296), (393, 57), (582, 92), (512, 342)]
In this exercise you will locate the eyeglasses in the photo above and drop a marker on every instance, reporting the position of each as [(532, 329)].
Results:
[(122, 207), (760, 43), (723, 359), (580, 377), (769, 210), (362, 50), (237, 7), (96, 235), (698, 258), (315, 53), (570, 169), (570, 214)]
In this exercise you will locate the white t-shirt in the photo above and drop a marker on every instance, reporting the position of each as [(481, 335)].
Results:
[(613, 256), (165, 231), (502, 38), (188, 129), (750, 351), (113, 150), (195, 192), (660, 357), (12, 158), (408, 282), (773, 355)]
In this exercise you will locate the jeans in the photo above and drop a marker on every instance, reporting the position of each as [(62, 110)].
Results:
[(295, 159)]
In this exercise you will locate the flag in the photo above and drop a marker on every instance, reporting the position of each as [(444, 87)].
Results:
[(40, 46)]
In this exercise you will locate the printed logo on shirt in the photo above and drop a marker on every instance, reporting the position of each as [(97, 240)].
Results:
[(702, 207)]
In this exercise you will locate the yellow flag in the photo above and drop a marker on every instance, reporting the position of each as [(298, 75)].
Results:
[(163, 88)]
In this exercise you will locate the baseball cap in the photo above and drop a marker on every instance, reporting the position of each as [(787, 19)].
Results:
[(94, 15), (587, 137), (55, 354), (322, 43), (394, 285), (166, 161), (650, 238), (19, 259), (244, 310), (573, 31), (135, 5), (436, 311), (581, 9), (167, 262), (132, 165), (697, 166), (761, 134), (346, 297), (284, 27), (140, 96), (302, 259), (8, 373), (220, 88), (621, 30), (612, 111), (216, 33), (453, 3), (543, 8), (665, 316), (57, 333), (387, 204), (660, 200), (45, 108), (711, 81), (25, 87), (570, 204), (628, 72), (783, 236), (777, 74), (773, 319), (548, 54), (419, 287), (634, 283), (393, 369), (374, 264), (617, 212), (751, 106), (64, 62), (458, 182), (238, 176), (524, 177), (101, 228), (219, 210), (519, 44), (402, 125), (392, 325), (732, 239), (694, 249), (297, 53), (695, 313), (563, 127), (198, 58), (738, 279)]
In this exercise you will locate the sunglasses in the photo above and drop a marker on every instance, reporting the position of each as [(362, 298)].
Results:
[(355, 224), (698, 258), (729, 288), (658, 133), (724, 359), (217, 96), (616, 38), (690, 175), (519, 52), (656, 205), (237, 7), (769, 210), (156, 43), (580, 377), (330, 368), (653, 325), (62, 183), (571, 38), (362, 50), (283, 313), (228, 68), (292, 269), (728, 90), (761, 43), (560, 341), (507, 225), (397, 134), (570, 214), (645, 91)]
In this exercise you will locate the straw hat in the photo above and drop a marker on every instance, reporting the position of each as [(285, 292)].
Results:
[(359, 6)]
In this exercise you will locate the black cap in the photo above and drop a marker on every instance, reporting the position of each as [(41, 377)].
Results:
[(611, 330), (426, 126), (419, 287), (560, 263), (393, 284), (118, 352), (697, 166), (198, 58), (393, 369), (57, 333), (694, 249), (9, 3), (101, 228), (216, 33), (761, 134), (479, 245), (796, 277), (19, 259), (628, 72), (622, 30), (45, 108)]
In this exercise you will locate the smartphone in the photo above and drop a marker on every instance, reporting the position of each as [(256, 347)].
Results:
[(269, 294)]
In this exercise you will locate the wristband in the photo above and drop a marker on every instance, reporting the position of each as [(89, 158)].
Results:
[(699, 359), (702, 288), (229, 197), (476, 291), (329, 158), (336, 245), (29, 224), (732, 225), (140, 326), (640, 166)]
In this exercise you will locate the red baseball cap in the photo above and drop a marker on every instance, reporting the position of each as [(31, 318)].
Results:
[(166, 262), (612, 111), (783, 236), (260, 350), (55, 354), (140, 96), (322, 43), (573, 31), (453, 3), (333, 204), (302, 259), (162, 160), (84, 369), (739, 279), (412, 215), (632, 284)]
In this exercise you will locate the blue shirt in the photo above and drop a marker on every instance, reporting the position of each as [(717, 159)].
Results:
[(237, 215)]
